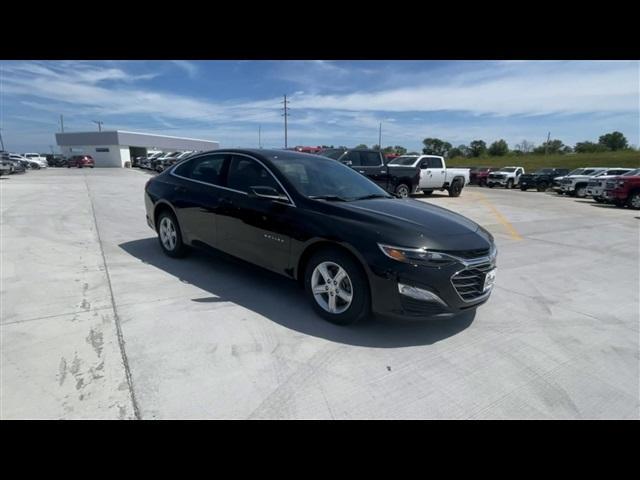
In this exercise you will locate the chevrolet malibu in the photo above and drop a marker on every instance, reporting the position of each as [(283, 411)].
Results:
[(356, 249)]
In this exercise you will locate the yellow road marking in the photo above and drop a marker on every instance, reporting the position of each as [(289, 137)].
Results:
[(501, 218)]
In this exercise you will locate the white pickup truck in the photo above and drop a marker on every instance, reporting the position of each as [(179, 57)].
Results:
[(428, 173), (507, 177)]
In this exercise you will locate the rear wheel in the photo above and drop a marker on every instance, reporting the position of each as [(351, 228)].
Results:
[(427, 192), (402, 190), (337, 287), (523, 188), (581, 191), (510, 183), (455, 189), (170, 236)]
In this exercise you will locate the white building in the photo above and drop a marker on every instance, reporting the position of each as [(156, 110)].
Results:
[(117, 147)]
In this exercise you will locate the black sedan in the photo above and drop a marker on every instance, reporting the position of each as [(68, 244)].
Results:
[(355, 248)]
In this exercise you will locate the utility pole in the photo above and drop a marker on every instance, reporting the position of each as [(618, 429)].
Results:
[(62, 123), (285, 115), (99, 124), (1, 142), (380, 136), (546, 145), (259, 136)]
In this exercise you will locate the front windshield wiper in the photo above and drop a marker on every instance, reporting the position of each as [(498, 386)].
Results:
[(330, 198), (373, 195)]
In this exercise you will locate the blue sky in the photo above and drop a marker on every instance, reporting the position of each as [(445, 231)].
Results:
[(332, 102)]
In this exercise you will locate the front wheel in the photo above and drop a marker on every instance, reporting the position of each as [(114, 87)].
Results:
[(523, 188), (510, 184), (170, 236), (542, 187), (427, 193), (402, 190), (337, 287), (581, 192)]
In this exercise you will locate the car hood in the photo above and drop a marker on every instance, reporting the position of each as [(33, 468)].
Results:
[(409, 222)]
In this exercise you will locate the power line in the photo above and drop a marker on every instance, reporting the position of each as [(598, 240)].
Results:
[(99, 124)]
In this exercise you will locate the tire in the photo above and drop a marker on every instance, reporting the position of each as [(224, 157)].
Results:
[(523, 188), (542, 187), (455, 189), (170, 238), (402, 190), (490, 185), (509, 185), (599, 199), (427, 193), (581, 191), (334, 261), (68, 166), (634, 201), (619, 203)]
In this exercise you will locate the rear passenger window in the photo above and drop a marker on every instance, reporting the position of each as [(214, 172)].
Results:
[(204, 169), (370, 159)]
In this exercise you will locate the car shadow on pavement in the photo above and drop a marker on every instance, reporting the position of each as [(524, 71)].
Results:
[(283, 301)]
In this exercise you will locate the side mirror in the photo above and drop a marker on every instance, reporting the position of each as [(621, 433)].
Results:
[(268, 193)]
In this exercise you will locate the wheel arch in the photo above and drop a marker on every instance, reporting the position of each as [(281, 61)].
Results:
[(159, 207)]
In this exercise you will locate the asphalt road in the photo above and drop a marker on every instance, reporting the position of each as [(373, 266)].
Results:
[(97, 323)]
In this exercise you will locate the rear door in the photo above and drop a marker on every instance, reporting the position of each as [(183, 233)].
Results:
[(197, 196)]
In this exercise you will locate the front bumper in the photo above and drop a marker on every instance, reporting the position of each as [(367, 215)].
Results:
[(567, 187), (387, 299), (612, 195), (595, 191), (497, 181)]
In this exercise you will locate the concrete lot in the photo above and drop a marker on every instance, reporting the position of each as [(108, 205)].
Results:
[(98, 323)]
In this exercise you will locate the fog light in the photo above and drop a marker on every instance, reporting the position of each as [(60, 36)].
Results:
[(419, 294)]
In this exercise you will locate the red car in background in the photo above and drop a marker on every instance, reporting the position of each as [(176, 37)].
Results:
[(623, 190), (479, 175), (308, 149), (81, 161)]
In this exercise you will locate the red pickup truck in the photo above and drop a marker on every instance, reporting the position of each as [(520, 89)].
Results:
[(624, 190)]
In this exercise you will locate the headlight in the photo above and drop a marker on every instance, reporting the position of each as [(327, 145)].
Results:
[(620, 183), (417, 256)]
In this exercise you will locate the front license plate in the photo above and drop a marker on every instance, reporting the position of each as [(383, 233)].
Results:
[(489, 280)]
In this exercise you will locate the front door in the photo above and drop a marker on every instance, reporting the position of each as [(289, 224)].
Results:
[(251, 228)]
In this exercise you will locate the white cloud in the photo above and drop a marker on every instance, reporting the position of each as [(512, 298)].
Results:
[(189, 67)]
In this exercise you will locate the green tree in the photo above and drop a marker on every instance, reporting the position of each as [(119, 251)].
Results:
[(525, 147), (499, 148), (362, 145), (455, 152), (375, 147), (435, 146), (588, 147), (614, 141), (478, 148), (400, 150), (553, 146)]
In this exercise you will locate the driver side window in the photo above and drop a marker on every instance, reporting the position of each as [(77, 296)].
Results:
[(245, 173)]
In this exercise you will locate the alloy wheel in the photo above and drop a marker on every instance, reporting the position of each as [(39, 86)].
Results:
[(168, 234), (331, 287)]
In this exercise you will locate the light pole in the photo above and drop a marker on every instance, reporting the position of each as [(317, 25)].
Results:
[(1, 142), (99, 124)]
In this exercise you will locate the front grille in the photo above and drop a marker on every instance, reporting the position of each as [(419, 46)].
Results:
[(470, 281), (495, 176), (468, 254), (566, 181), (594, 183)]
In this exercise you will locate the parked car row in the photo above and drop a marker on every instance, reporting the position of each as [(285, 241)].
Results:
[(11, 163), (160, 161), (617, 185)]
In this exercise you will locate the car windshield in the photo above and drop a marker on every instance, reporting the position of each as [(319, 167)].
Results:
[(577, 171), (592, 171), (508, 169), (326, 179), (632, 173), (403, 161)]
